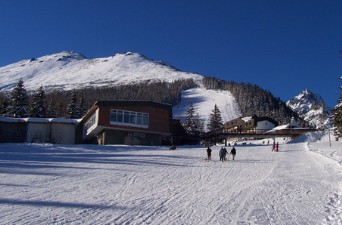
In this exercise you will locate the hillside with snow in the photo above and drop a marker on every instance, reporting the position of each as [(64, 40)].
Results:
[(310, 107), (71, 70), (204, 101)]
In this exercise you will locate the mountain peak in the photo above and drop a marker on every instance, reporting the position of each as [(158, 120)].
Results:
[(311, 95), (67, 55), (309, 106), (71, 70)]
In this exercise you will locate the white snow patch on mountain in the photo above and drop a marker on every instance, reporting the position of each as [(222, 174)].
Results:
[(70, 70), (204, 101)]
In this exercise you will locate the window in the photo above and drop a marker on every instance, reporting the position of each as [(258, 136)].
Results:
[(129, 118), (126, 117), (120, 116), (132, 118), (90, 122)]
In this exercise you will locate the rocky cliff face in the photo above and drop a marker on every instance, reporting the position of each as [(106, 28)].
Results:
[(311, 107)]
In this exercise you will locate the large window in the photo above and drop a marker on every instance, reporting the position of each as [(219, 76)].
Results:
[(91, 122), (129, 118)]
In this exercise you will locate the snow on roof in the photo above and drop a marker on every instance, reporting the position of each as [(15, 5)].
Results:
[(63, 120), (247, 118), (10, 120), (281, 127), (38, 120)]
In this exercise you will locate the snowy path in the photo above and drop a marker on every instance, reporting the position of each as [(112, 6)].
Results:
[(48, 184)]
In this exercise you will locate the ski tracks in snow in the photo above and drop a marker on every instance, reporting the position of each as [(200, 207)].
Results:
[(293, 186)]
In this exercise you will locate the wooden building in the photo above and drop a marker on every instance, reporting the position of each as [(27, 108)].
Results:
[(253, 124), (127, 122)]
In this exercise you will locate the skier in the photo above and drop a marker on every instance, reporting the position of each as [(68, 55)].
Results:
[(273, 146), (277, 147), (233, 152), (209, 153), (223, 153)]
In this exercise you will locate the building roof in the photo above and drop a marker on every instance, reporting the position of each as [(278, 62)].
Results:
[(130, 103), (38, 120)]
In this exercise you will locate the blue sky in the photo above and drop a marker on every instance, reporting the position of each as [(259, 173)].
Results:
[(284, 46)]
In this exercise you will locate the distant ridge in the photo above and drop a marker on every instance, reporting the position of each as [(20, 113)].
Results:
[(71, 70)]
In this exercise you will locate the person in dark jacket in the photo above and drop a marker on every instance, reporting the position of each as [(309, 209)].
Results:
[(223, 153), (233, 152), (209, 153)]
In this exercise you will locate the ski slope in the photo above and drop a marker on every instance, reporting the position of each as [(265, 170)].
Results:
[(203, 101), (88, 184)]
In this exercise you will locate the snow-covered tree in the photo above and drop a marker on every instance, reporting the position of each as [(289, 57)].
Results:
[(215, 119), (19, 101), (200, 125), (337, 114), (37, 105), (190, 124), (71, 112)]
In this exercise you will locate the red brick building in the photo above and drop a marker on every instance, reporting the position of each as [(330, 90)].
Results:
[(127, 122)]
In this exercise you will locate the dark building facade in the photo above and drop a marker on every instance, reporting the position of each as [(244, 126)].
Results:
[(127, 122)]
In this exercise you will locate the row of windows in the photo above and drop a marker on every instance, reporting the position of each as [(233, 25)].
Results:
[(129, 118), (90, 122)]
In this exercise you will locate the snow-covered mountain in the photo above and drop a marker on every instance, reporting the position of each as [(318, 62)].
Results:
[(311, 107), (71, 70)]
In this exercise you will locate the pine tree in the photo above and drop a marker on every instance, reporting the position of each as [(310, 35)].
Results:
[(190, 125), (337, 114), (81, 108), (37, 106), (200, 125), (215, 119), (19, 101), (4, 107), (71, 112), (51, 111)]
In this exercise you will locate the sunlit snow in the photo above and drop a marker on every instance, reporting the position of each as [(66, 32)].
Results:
[(71, 70), (89, 184), (204, 101)]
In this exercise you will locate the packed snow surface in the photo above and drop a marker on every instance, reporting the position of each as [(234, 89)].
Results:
[(88, 184)]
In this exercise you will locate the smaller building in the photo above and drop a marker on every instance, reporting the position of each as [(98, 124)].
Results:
[(291, 128), (12, 130), (38, 130), (127, 122), (253, 124)]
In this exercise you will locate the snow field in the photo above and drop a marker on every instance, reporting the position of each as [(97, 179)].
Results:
[(204, 101), (88, 184)]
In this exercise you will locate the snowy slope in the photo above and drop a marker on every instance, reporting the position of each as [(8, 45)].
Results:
[(71, 70), (204, 101), (89, 184), (310, 107)]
